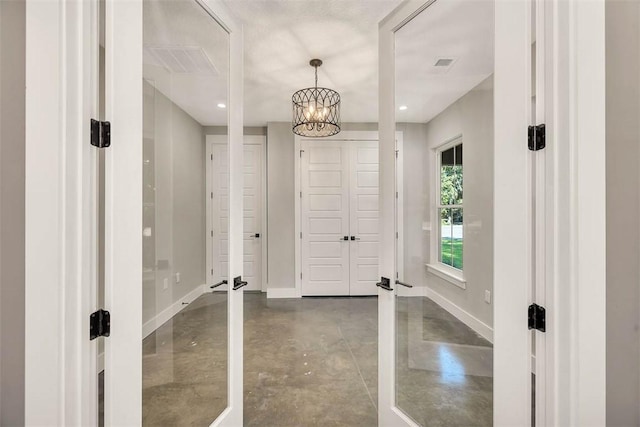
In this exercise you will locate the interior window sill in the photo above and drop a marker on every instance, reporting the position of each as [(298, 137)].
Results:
[(444, 273)]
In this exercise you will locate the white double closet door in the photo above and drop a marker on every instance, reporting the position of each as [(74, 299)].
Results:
[(340, 221)]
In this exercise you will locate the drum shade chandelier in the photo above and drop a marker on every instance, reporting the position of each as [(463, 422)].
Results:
[(316, 110)]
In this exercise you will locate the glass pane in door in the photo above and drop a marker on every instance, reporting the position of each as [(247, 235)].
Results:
[(444, 67), (184, 336)]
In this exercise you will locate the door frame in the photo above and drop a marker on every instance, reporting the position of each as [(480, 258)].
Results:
[(512, 378), (353, 135), (575, 214), (260, 140), (61, 66)]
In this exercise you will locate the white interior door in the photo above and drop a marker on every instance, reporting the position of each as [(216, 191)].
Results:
[(363, 217), (219, 195), (339, 215), (253, 216), (325, 217), (253, 212)]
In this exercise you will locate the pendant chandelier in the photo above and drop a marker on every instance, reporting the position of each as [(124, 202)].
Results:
[(316, 110)]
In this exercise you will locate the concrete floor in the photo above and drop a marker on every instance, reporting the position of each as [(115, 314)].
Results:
[(313, 361)]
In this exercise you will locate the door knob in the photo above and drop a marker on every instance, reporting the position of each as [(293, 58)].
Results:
[(257, 235), (355, 238), (344, 238)]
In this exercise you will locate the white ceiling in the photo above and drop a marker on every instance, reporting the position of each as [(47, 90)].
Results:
[(185, 24), (458, 29), (281, 36)]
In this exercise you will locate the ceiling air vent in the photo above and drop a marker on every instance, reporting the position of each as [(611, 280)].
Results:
[(443, 62), (183, 59)]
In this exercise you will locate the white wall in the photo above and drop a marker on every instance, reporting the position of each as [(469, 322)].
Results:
[(175, 149), (280, 206), (12, 212), (472, 117), (415, 158), (623, 211)]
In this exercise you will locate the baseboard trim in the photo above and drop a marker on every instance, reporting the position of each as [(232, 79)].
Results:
[(471, 321), (416, 291), (175, 308), (282, 293)]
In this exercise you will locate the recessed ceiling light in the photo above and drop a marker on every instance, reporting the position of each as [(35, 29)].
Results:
[(402, 107), (221, 105)]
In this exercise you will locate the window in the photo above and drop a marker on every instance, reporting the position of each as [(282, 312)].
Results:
[(450, 205)]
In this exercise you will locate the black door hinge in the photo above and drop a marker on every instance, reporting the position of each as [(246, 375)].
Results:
[(537, 317), (99, 324), (536, 137), (100, 134)]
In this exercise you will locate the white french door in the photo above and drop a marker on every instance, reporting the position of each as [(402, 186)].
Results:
[(339, 214), (485, 96), (155, 214)]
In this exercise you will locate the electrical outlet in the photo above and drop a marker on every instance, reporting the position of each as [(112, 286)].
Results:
[(487, 297), (165, 284), (177, 277)]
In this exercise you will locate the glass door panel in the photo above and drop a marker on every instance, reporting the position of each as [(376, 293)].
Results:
[(444, 67), (185, 321)]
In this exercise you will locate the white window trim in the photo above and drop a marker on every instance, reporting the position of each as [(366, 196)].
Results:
[(448, 273)]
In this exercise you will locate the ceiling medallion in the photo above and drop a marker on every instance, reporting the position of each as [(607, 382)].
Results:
[(316, 110)]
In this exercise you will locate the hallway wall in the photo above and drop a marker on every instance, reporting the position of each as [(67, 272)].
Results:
[(12, 212), (622, 32), (175, 207), (472, 117)]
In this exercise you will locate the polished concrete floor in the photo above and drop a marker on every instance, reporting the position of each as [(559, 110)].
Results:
[(313, 362)]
